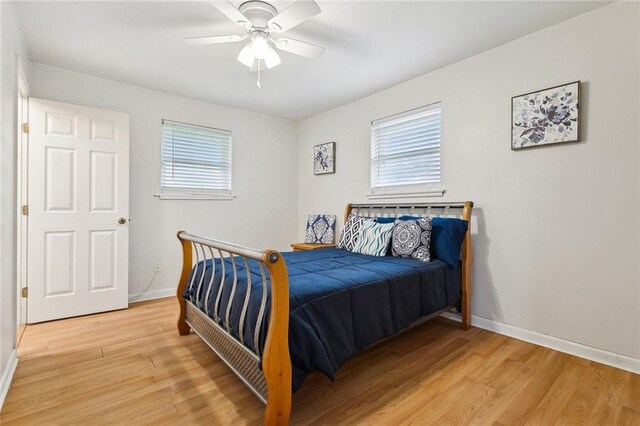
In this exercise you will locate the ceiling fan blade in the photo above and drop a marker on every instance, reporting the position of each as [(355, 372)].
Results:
[(295, 14), (214, 39), (301, 48), (230, 11)]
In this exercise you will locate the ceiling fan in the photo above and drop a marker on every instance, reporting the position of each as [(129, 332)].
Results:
[(261, 20)]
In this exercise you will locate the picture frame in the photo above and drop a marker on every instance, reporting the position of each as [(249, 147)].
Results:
[(324, 158), (546, 117)]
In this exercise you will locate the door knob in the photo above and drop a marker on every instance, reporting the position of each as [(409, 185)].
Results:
[(122, 221)]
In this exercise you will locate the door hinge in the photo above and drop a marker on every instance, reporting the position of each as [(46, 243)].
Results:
[(25, 210), (24, 291), (25, 128)]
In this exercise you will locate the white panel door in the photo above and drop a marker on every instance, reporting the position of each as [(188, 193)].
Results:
[(78, 210)]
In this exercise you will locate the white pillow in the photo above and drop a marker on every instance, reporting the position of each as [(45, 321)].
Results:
[(374, 239)]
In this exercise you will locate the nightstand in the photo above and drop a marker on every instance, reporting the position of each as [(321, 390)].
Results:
[(309, 246)]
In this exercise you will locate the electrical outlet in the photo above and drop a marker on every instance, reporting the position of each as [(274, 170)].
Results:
[(156, 266)]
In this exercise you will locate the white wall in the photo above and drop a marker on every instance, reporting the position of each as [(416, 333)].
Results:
[(11, 48), (263, 215), (555, 239), (556, 228)]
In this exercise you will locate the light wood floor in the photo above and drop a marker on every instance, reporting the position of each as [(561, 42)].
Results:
[(132, 367)]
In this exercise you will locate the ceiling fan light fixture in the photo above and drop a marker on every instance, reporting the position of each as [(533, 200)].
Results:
[(247, 56), (260, 45), (260, 19), (271, 59)]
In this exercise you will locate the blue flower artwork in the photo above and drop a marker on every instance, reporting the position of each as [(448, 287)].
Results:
[(546, 117), (324, 158)]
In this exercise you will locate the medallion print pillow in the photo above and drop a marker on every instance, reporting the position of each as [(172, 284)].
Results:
[(374, 238), (320, 229), (412, 239), (349, 236)]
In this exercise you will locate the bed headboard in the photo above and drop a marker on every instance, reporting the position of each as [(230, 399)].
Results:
[(461, 210), (456, 209)]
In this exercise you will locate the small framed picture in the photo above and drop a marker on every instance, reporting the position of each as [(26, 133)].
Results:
[(324, 158), (546, 117)]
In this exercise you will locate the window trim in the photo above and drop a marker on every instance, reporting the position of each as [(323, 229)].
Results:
[(418, 190), (169, 193), (187, 196)]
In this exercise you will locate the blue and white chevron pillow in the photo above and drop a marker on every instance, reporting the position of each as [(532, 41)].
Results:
[(321, 229), (351, 231), (374, 239)]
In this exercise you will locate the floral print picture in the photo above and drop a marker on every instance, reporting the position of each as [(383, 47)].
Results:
[(546, 117), (324, 158)]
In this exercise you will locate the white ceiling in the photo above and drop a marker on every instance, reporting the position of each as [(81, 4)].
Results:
[(370, 46)]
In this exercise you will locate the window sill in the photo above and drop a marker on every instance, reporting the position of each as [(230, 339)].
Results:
[(222, 197), (407, 194)]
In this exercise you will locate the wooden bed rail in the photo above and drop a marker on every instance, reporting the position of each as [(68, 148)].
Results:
[(431, 209), (275, 358)]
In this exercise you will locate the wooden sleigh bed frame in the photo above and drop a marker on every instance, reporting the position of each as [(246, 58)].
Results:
[(267, 370)]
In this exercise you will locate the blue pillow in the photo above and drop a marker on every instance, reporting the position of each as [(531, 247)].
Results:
[(447, 235), (393, 219), (385, 219)]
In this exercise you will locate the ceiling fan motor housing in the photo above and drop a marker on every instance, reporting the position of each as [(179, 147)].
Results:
[(258, 12)]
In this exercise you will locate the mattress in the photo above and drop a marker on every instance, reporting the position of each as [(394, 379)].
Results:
[(340, 302)]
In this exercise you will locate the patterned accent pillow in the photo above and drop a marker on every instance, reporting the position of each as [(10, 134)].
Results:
[(374, 238), (412, 239), (349, 236), (320, 229)]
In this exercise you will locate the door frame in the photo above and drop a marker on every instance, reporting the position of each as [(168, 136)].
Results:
[(22, 191)]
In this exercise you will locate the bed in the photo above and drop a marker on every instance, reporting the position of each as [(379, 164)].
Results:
[(273, 317)]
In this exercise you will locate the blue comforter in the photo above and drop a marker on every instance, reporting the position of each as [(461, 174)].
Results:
[(341, 302)]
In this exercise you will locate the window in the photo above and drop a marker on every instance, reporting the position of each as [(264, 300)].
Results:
[(405, 150), (196, 160)]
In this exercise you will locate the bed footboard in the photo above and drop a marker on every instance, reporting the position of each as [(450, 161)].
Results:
[(266, 370)]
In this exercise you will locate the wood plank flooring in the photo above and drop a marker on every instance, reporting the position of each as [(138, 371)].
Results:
[(132, 367)]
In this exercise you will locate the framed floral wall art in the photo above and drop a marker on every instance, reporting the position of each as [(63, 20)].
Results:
[(546, 117), (324, 158)]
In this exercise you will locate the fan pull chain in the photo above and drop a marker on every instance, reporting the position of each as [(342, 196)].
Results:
[(259, 86)]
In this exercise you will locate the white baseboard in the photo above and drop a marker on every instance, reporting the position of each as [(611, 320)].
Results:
[(7, 376), (152, 295), (567, 346), (573, 348)]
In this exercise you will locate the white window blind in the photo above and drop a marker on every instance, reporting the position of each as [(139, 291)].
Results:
[(195, 159), (405, 148)]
